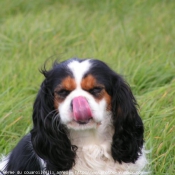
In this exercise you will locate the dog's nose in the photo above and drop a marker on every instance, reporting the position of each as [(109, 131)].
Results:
[(81, 109)]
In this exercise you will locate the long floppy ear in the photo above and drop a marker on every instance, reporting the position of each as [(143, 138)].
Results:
[(49, 137), (128, 127)]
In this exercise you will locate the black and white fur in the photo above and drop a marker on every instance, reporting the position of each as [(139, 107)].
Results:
[(111, 142)]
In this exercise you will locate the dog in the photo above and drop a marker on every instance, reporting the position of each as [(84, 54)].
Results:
[(85, 120)]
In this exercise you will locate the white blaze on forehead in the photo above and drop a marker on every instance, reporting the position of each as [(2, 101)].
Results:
[(79, 69)]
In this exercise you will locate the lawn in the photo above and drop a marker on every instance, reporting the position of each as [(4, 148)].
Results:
[(135, 37)]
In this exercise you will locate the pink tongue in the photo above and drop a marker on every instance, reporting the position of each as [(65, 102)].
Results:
[(81, 109)]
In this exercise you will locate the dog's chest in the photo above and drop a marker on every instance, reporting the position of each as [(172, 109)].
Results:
[(93, 158), (94, 154), (97, 159)]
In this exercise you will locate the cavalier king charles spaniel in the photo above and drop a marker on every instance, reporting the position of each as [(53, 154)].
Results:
[(85, 120)]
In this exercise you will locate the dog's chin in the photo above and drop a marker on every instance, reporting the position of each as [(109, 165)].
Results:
[(83, 125)]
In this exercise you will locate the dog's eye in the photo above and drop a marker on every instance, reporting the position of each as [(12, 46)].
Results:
[(63, 92), (96, 90)]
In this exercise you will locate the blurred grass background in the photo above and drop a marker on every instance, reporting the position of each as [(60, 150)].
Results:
[(136, 38)]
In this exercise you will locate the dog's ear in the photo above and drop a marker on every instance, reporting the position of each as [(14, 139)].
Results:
[(49, 137), (128, 127)]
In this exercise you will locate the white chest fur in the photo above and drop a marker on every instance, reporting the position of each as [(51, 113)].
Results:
[(94, 154)]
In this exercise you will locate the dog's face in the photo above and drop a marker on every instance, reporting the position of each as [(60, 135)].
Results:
[(80, 98), (84, 95)]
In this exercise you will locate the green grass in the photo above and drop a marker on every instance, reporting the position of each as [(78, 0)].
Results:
[(136, 38)]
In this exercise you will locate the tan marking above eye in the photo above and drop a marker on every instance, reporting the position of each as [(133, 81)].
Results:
[(89, 83), (68, 84)]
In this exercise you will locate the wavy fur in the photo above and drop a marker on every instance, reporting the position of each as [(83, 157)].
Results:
[(116, 143)]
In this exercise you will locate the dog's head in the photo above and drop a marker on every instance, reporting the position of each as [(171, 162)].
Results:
[(82, 95)]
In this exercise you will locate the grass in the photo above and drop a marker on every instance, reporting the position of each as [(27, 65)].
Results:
[(136, 38)]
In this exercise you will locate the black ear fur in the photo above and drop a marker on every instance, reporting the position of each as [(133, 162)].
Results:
[(49, 137), (128, 127)]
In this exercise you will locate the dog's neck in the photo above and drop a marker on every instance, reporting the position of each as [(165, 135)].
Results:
[(94, 151), (83, 138), (94, 146), (97, 136)]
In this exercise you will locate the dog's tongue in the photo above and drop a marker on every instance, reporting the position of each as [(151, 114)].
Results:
[(81, 109)]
